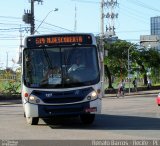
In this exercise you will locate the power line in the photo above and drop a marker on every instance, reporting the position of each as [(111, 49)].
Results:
[(56, 26), (87, 1), (25, 27), (133, 14), (16, 28), (13, 24), (49, 29), (134, 31), (9, 39), (141, 4), (10, 17)]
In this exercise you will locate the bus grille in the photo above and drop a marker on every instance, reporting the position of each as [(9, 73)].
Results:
[(55, 97)]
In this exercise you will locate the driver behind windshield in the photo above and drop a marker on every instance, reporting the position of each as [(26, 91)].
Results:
[(77, 64)]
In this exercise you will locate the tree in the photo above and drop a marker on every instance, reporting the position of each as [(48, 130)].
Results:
[(116, 62), (147, 58), (141, 59)]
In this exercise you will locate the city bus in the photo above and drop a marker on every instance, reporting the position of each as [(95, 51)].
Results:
[(61, 76)]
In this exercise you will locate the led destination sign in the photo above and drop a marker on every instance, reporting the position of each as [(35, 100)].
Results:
[(58, 40)]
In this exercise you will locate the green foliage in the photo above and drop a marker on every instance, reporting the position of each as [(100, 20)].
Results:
[(117, 58), (141, 59), (11, 88), (10, 82)]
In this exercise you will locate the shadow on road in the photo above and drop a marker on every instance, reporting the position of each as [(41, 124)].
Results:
[(107, 122), (117, 122)]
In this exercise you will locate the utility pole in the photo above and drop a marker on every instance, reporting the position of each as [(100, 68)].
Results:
[(102, 18), (110, 30), (7, 61), (20, 47), (32, 17), (75, 21), (129, 68), (102, 42), (102, 27), (28, 16), (111, 16)]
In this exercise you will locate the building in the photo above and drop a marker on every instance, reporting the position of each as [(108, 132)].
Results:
[(152, 40), (155, 25)]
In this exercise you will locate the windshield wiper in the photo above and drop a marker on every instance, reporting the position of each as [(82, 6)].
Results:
[(47, 58)]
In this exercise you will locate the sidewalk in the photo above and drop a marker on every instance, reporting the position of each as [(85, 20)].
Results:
[(136, 93)]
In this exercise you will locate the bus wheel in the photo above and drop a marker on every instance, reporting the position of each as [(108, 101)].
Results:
[(87, 118), (24, 114), (32, 120)]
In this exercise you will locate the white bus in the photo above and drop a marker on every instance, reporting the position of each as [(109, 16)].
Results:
[(61, 76)]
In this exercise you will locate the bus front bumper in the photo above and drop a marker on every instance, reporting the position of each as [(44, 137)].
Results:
[(42, 111)]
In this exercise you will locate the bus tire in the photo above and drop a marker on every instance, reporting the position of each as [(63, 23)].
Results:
[(24, 114), (32, 120), (87, 118)]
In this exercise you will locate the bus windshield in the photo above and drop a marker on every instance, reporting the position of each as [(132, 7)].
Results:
[(60, 67)]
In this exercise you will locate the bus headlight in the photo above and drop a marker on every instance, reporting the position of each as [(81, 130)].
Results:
[(92, 95), (34, 99)]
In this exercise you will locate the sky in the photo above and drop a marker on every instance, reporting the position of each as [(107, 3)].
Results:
[(133, 20)]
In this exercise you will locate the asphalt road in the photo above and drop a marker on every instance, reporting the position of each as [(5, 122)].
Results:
[(131, 117)]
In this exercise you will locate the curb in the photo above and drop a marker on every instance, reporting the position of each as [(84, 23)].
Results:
[(10, 102)]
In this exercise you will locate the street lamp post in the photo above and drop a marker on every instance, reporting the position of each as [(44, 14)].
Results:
[(129, 67), (56, 9), (128, 71)]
